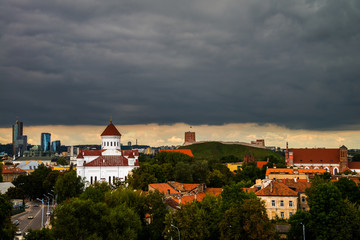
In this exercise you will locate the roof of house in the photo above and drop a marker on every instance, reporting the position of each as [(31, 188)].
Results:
[(298, 186), (248, 190), (199, 196), (316, 155), (7, 169), (4, 186), (111, 130), (90, 152), (163, 188), (129, 152), (293, 171), (276, 189), (184, 151), (183, 187), (260, 164), (354, 165), (108, 161)]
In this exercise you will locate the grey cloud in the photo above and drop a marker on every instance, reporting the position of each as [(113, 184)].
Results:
[(200, 62)]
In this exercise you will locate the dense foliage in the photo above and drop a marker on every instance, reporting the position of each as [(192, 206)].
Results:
[(6, 227), (334, 211)]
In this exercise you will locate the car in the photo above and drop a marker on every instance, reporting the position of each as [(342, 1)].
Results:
[(36, 205), (16, 222), (26, 206), (31, 217), (18, 231)]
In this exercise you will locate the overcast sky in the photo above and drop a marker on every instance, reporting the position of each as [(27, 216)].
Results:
[(288, 63)]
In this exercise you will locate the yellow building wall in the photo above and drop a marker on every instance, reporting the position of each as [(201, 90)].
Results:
[(273, 211)]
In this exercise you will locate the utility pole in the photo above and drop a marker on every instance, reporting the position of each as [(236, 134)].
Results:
[(303, 229), (177, 229)]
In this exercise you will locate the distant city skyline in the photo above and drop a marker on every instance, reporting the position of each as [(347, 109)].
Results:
[(158, 135)]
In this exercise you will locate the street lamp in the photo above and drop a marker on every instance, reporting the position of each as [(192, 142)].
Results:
[(52, 199), (303, 229), (42, 211), (177, 229), (47, 216)]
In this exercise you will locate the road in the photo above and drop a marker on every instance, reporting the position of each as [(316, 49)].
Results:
[(35, 223)]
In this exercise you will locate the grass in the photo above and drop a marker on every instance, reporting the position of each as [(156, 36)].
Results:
[(217, 150)]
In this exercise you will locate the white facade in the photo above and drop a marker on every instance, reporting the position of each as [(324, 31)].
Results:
[(110, 162)]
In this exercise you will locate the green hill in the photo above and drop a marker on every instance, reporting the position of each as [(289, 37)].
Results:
[(217, 150)]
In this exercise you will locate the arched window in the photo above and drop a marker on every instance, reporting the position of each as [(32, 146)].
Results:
[(336, 170)]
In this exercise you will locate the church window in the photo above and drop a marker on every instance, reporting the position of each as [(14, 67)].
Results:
[(109, 179), (110, 143), (113, 179), (91, 180), (95, 178)]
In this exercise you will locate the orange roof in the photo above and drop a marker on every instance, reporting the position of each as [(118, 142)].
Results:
[(198, 197), (164, 188), (214, 191), (298, 186), (316, 155), (184, 151), (354, 165), (90, 152), (291, 171), (111, 130), (12, 170), (276, 189), (183, 187), (248, 190), (260, 164)]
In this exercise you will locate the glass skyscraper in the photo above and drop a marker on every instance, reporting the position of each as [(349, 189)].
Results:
[(19, 141), (55, 146), (45, 142)]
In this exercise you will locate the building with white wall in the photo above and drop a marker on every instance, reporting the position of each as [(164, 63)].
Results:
[(110, 162)]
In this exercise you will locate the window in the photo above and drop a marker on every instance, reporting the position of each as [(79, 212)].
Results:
[(290, 203), (273, 203), (113, 179), (303, 199), (110, 143), (109, 179), (95, 178), (282, 215), (290, 214), (281, 203), (91, 180)]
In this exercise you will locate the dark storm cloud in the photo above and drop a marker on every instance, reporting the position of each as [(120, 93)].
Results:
[(293, 63)]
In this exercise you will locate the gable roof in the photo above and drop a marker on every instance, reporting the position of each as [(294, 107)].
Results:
[(163, 188), (111, 130), (183, 187), (298, 186), (316, 155), (184, 151), (108, 161), (276, 189)]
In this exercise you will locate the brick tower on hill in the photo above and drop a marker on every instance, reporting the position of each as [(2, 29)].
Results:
[(189, 137)]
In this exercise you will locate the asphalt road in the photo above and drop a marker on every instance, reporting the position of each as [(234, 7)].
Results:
[(35, 223)]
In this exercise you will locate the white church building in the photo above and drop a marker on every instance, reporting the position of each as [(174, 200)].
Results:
[(108, 163)]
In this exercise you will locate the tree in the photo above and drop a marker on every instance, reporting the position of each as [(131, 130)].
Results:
[(247, 221), (296, 221), (1, 177), (42, 234), (96, 192), (183, 172), (16, 193), (200, 171), (6, 227), (349, 189), (234, 195), (68, 185)]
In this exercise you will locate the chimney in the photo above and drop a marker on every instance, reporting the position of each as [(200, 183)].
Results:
[(295, 179)]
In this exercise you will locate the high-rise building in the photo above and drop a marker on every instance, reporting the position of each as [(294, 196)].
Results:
[(18, 139), (55, 146), (45, 142)]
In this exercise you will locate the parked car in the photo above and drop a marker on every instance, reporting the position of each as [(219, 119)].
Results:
[(31, 217), (26, 206), (16, 222), (36, 205)]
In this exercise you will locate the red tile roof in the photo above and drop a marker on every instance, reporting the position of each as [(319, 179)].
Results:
[(276, 189), (111, 130), (163, 188), (6, 169), (184, 151), (248, 190), (128, 152), (214, 191), (316, 155), (299, 186), (90, 152), (260, 164), (354, 165), (108, 161), (292, 171), (183, 187)]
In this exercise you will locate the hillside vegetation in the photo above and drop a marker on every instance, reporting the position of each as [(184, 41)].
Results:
[(217, 150)]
